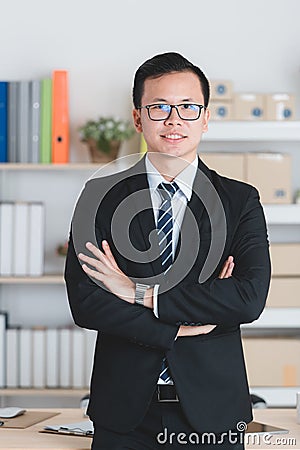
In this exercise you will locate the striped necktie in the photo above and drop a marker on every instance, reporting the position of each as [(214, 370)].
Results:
[(165, 235)]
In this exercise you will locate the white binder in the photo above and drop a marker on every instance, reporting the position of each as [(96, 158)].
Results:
[(36, 239), (12, 358), (21, 233), (6, 238), (39, 358)]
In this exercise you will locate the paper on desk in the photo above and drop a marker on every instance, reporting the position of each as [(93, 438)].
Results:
[(28, 419), (84, 428)]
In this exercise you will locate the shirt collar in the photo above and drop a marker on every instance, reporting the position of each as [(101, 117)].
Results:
[(184, 179)]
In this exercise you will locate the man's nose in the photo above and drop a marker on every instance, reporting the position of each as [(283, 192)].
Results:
[(173, 117)]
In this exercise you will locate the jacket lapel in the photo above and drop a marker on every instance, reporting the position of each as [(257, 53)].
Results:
[(204, 228), (144, 235)]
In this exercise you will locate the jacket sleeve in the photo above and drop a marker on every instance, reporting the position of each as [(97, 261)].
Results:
[(95, 308), (231, 301)]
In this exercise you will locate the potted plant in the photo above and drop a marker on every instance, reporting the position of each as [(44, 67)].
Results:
[(104, 137)]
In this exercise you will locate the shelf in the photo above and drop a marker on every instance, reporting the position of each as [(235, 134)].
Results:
[(282, 214), (253, 131), (112, 167), (277, 397), (274, 396), (51, 392), (70, 166), (45, 279), (279, 318)]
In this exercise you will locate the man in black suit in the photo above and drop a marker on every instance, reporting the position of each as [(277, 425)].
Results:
[(178, 259)]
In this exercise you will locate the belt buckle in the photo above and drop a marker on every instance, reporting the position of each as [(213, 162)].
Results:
[(166, 400)]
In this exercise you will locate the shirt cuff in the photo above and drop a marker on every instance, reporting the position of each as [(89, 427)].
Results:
[(155, 299)]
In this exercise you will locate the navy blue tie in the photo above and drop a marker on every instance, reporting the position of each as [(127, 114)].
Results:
[(165, 240)]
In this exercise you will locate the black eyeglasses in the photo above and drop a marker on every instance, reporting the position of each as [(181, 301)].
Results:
[(162, 111)]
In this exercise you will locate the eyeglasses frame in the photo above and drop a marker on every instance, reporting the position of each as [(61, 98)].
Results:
[(172, 106)]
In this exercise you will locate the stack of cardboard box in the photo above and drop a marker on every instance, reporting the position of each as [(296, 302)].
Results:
[(228, 105), (221, 104), (255, 168), (274, 360)]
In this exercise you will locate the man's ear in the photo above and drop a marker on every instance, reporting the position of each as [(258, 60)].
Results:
[(136, 114), (206, 119)]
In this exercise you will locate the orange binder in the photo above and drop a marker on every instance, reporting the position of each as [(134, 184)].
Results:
[(60, 117)]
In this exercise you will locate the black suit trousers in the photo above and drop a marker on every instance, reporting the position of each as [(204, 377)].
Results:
[(165, 427)]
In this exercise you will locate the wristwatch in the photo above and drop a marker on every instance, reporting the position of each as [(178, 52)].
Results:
[(140, 290)]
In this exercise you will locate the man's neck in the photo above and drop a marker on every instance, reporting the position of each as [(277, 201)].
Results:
[(168, 166)]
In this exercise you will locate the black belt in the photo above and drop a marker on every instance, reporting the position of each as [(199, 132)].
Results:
[(166, 393)]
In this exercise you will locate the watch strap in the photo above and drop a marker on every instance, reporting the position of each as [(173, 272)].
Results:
[(140, 290)]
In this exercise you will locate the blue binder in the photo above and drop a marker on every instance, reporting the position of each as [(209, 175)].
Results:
[(3, 121)]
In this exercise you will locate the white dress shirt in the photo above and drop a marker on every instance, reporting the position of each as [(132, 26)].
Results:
[(184, 180)]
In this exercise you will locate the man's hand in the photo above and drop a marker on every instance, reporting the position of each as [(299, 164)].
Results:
[(227, 269), (106, 270), (226, 272), (194, 330)]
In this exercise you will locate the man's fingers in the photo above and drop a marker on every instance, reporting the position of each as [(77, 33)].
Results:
[(205, 329), (95, 250), (108, 253), (93, 273), (195, 330), (88, 259), (227, 268), (95, 263), (223, 271)]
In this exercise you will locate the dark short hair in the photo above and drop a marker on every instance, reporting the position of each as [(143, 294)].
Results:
[(162, 64)]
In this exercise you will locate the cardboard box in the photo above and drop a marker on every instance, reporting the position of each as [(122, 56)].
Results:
[(221, 90), (231, 165), (271, 174), (284, 293), (280, 107), (272, 361), (249, 107), (221, 110), (285, 259)]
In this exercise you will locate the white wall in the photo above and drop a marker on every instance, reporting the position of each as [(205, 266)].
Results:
[(255, 43)]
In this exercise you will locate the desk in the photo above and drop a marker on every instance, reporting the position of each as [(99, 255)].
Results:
[(30, 438)]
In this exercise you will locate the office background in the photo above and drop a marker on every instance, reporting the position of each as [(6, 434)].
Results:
[(255, 44), (101, 44)]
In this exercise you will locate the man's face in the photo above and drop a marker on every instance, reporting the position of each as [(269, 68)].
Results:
[(173, 136)]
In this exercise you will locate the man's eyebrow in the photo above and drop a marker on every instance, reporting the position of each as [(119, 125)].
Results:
[(166, 101)]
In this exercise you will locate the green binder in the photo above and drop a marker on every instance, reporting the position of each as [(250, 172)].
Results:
[(46, 121)]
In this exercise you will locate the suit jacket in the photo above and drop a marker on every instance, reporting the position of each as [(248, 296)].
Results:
[(208, 370)]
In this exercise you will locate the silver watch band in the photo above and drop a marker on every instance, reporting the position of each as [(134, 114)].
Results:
[(140, 290)]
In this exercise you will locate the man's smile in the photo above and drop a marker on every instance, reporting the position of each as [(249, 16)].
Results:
[(173, 136)]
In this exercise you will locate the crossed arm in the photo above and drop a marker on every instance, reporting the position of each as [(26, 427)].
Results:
[(226, 300), (105, 269)]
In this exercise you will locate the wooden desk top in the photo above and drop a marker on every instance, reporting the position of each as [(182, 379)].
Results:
[(283, 418), (30, 438)]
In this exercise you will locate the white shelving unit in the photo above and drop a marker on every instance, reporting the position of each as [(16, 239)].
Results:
[(27, 299), (41, 301), (45, 279), (267, 136), (282, 214), (253, 131)]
